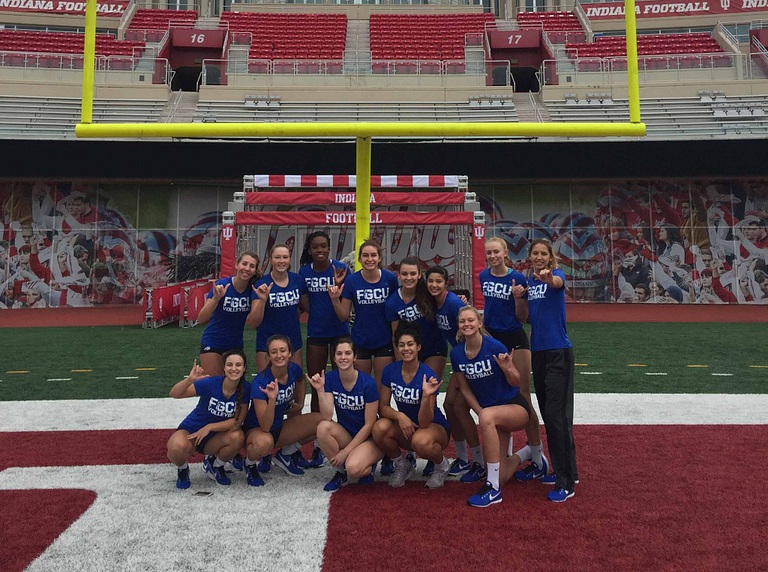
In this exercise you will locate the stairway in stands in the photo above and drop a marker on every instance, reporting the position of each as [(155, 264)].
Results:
[(357, 50)]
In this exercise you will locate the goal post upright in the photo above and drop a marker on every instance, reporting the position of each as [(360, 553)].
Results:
[(363, 197)]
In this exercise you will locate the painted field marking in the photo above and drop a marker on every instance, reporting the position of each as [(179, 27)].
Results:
[(636, 365), (60, 379), (128, 377), (656, 373), (761, 366), (82, 370), (146, 368), (696, 365), (19, 371), (591, 372), (723, 374), (580, 364)]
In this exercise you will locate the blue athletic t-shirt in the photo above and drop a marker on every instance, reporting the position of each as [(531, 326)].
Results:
[(350, 405), (546, 307), (225, 328), (499, 314), (213, 406), (448, 317), (284, 394), (408, 395), (281, 313), (485, 377), (371, 329), (432, 341), (322, 322)]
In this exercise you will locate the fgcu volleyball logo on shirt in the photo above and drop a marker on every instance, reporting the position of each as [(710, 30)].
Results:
[(411, 395), (537, 292), (372, 295), (476, 370), (221, 408), (236, 304), (283, 299), (410, 314), (349, 402), (319, 283), (284, 395), (497, 290), (442, 322)]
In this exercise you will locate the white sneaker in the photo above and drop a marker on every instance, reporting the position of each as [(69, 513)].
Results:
[(403, 471), (437, 478)]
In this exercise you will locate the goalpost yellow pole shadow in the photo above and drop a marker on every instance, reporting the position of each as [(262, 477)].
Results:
[(363, 132)]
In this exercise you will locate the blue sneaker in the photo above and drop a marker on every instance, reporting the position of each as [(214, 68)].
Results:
[(368, 479), (182, 478), (412, 459), (387, 467), (215, 473), (476, 474), (318, 459), (253, 477), (265, 465), (533, 471), (237, 462), (549, 479), (287, 463), (459, 467), (486, 496), (428, 469), (338, 481), (560, 495), (299, 460)]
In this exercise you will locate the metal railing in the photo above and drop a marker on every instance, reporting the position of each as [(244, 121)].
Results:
[(758, 58), (168, 5), (126, 13), (536, 110), (729, 37)]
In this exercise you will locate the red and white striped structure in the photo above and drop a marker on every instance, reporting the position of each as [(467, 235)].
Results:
[(252, 182)]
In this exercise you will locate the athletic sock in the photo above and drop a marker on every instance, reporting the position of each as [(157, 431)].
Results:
[(493, 475), (536, 454), (291, 449), (442, 465), (525, 453), (477, 455), (461, 451), (317, 444), (184, 466), (250, 463), (510, 446), (218, 463), (398, 458)]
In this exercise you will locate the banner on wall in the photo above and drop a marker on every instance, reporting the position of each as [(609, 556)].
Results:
[(672, 9), (105, 8)]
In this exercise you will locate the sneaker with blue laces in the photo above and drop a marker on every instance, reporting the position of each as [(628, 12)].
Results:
[(299, 460), (368, 479), (287, 463), (533, 471), (387, 466), (253, 477), (236, 464), (182, 478), (560, 495), (476, 474), (217, 474), (338, 481), (486, 496), (265, 465), (318, 459), (459, 467), (428, 469)]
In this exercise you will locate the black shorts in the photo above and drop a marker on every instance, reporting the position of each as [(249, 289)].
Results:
[(516, 340), (323, 342), (424, 355), (211, 350), (518, 400), (370, 353), (274, 432)]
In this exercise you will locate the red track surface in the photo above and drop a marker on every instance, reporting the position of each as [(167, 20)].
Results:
[(650, 498)]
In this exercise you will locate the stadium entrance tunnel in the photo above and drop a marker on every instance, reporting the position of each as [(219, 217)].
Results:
[(185, 78), (525, 79)]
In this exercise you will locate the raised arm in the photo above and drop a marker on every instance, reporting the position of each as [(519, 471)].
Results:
[(210, 304), (341, 305), (429, 389), (186, 387), (256, 315), (521, 302), (265, 410), (508, 367), (325, 400)]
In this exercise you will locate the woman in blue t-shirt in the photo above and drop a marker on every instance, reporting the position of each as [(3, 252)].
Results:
[(230, 304), (274, 395), (213, 427), (463, 427), (552, 363), (417, 423), (280, 295), (489, 382), (353, 395), (504, 320)]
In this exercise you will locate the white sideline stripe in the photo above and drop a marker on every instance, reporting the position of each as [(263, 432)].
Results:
[(591, 372), (589, 409), (723, 374), (128, 377), (60, 379), (656, 373)]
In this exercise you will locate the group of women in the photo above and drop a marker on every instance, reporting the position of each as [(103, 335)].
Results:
[(397, 349)]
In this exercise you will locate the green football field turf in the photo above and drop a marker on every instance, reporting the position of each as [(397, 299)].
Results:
[(86, 362)]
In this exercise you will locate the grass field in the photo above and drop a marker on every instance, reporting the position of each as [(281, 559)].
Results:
[(88, 362)]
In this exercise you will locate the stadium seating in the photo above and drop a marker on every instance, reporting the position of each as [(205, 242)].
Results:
[(424, 36), (291, 36), (65, 43), (160, 19), (561, 27), (647, 44)]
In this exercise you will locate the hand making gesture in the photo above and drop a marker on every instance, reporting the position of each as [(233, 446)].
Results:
[(263, 291), (429, 386), (218, 292), (505, 361), (317, 381), (518, 291), (197, 373)]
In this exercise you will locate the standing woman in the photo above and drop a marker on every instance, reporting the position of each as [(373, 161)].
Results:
[(462, 425), (503, 319), (489, 382), (324, 328), (417, 424), (213, 427), (231, 302), (552, 361), (273, 394), (353, 395)]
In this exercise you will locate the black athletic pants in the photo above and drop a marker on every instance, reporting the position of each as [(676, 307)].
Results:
[(553, 380)]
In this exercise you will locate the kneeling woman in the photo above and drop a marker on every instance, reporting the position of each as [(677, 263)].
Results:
[(489, 382), (273, 397), (417, 424), (353, 394), (213, 427)]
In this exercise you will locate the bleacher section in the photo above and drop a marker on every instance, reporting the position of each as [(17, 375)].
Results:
[(561, 27), (477, 109), (647, 44), (65, 43), (160, 19), (291, 36), (32, 117), (424, 36), (672, 117)]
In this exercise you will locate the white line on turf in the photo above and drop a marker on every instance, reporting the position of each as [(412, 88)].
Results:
[(591, 372), (723, 374), (128, 377), (656, 373), (60, 379)]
